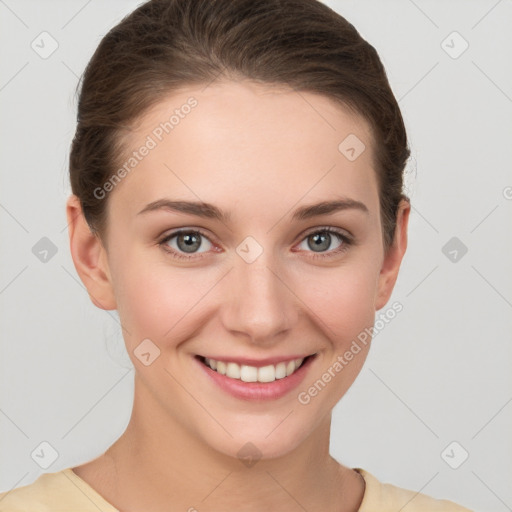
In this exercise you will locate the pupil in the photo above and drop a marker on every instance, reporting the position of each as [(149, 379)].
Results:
[(191, 242), (321, 241)]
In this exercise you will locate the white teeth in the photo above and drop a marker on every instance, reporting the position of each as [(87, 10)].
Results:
[(249, 373), (233, 371), (221, 367), (267, 373), (280, 370), (211, 363), (253, 374)]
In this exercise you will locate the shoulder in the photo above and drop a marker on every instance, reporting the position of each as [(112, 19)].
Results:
[(62, 490), (387, 497)]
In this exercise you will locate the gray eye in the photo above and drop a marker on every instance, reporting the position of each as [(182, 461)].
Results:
[(321, 241), (189, 242)]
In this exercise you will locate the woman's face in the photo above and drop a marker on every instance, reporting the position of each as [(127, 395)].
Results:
[(260, 281)]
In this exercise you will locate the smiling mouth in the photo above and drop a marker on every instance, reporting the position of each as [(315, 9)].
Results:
[(247, 373)]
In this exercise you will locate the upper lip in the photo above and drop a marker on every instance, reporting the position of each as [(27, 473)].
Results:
[(248, 361)]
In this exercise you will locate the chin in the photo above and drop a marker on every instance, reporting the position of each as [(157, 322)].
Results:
[(259, 442)]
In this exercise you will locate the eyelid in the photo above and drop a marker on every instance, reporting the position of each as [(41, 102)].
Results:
[(346, 238), (162, 242), (167, 235), (330, 229), (347, 241)]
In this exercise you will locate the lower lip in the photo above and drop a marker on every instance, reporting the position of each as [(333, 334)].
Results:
[(258, 391)]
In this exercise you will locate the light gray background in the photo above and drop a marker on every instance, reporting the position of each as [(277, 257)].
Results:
[(438, 373)]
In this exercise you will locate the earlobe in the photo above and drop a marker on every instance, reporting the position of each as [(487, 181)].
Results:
[(393, 257), (89, 257)]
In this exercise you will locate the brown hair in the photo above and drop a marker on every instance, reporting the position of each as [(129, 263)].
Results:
[(165, 45)]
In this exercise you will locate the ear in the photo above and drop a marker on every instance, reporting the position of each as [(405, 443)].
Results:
[(89, 257), (393, 257)]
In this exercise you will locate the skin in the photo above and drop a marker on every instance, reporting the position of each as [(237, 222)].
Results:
[(257, 152)]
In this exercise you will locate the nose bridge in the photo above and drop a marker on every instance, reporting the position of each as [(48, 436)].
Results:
[(258, 303)]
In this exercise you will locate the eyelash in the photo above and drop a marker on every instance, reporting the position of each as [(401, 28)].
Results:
[(347, 242)]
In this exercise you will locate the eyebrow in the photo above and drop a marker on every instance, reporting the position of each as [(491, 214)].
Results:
[(210, 211)]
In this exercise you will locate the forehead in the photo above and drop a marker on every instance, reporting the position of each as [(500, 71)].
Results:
[(243, 141)]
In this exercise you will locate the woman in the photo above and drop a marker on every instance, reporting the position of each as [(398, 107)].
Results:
[(237, 197)]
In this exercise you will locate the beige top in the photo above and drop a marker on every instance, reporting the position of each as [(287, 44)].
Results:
[(64, 490)]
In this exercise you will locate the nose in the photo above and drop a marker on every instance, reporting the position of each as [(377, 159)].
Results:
[(259, 304)]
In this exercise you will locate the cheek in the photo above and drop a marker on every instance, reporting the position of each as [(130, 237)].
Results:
[(158, 301), (342, 300)]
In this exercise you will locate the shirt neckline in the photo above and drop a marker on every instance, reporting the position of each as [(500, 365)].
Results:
[(90, 492)]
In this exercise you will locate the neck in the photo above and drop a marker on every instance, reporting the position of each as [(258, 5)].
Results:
[(158, 463)]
